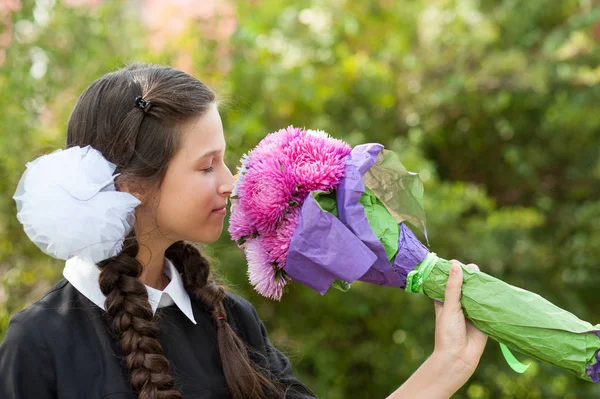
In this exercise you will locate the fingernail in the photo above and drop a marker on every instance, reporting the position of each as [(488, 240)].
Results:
[(453, 269)]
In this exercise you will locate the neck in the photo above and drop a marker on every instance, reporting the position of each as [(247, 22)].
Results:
[(151, 254), (153, 262)]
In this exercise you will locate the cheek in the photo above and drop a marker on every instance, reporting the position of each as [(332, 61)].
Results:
[(186, 202)]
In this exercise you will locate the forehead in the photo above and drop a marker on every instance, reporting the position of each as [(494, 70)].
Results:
[(204, 133)]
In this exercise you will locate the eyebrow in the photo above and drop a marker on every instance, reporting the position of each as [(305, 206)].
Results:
[(208, 154)]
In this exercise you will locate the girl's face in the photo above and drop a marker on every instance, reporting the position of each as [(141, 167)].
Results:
[(192, 198)]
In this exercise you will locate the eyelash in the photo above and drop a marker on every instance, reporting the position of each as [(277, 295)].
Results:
[(208, 170)]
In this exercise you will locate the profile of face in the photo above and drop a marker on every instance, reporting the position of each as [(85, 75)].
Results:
[(190, 203)]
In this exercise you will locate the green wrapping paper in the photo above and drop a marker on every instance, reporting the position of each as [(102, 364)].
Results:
[(519, 319)]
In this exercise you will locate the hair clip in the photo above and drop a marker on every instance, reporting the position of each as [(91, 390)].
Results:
[(144, 105)]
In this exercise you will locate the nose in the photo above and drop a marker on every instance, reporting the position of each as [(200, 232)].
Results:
[(226, 187)]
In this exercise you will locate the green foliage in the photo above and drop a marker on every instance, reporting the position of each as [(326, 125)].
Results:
[(493, 103)]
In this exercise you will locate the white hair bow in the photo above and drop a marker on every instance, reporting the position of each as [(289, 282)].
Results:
[(68, 205)]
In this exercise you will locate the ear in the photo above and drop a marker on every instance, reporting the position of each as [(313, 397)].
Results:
[(130, 185)]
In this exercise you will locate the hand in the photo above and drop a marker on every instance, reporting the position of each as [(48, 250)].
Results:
[(458, 343), (458, 348)]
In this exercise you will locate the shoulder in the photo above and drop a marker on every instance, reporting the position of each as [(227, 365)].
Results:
[(49, 313), (244, 318), (44, 307), (242, 311), (239, 306)]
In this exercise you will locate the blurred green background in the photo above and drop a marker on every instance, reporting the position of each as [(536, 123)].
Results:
[(493, 102)]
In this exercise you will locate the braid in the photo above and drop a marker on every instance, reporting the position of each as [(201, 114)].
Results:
[(244, 378), (132, 322)]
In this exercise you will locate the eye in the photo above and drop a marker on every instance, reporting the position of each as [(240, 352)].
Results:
[(208, 170)]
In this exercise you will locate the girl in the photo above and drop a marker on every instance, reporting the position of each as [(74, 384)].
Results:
[(140, 315)]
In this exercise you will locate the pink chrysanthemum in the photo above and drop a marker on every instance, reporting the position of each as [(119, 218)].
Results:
[(272, 184), (266, 192), (241, 172), (238, 224), (262, 274), (277, 243), (317, 161), (274, 143)]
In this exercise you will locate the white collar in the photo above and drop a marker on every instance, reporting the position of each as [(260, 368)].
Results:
[(83, 274)]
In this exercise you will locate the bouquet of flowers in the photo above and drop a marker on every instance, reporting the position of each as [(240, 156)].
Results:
[(309, 208)]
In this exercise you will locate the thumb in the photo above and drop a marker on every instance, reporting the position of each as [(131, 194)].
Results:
[(453, 289)]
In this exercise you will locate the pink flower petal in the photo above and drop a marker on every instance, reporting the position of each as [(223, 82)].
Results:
[(261, 273), (238, 226), (277, 242), (265, 193)]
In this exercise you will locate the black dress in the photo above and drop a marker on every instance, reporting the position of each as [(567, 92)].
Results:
[(61, 347)]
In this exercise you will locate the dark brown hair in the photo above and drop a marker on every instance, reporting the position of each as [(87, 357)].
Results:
[(141, 141)]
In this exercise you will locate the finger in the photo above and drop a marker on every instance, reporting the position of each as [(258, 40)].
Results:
[(475, 335), (453, 289), (438, 306), (472, 266)]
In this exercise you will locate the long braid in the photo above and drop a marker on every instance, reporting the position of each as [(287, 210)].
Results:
[(131, 320), (243, 378)]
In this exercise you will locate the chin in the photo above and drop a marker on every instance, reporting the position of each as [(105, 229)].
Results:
[(207, 238)]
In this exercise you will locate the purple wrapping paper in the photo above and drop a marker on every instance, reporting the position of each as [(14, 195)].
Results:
[(593, 369), (411, 251), (324, 249), (349, 191)]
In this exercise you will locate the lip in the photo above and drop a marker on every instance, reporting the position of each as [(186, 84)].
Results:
[(220, 211)]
